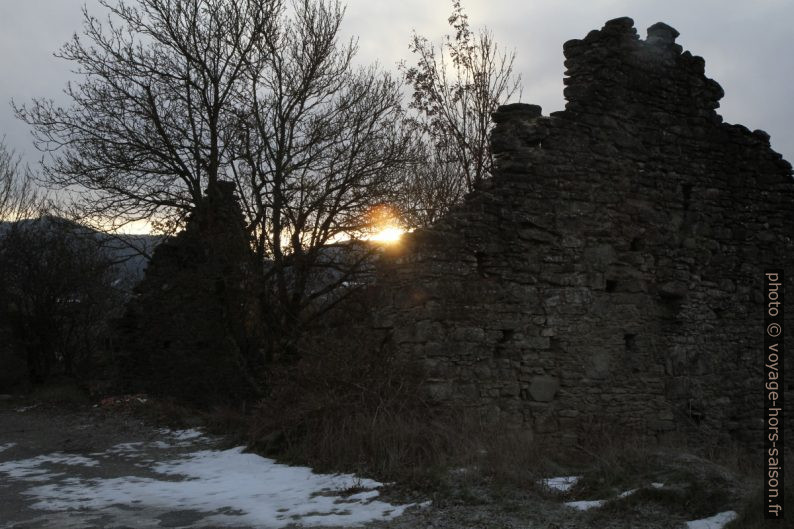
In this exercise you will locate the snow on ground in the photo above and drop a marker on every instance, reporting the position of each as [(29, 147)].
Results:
[(39, 468), (6, 446), (183, 435), (123, 448), (584, 505), (561, 484), (225, 487), (718, 521)]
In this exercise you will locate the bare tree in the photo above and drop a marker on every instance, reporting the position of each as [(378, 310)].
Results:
[(457, 86), (432, 184), (177, 95), (149, 123), (322, 145), (56, 283), (19, 197)]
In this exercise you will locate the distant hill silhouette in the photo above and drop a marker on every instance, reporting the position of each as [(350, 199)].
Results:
[(129, 252)]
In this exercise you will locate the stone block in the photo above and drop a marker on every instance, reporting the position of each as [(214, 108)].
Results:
[(543, 388)]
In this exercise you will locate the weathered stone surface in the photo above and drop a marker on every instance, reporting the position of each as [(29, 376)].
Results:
[(619, 248), (543, 388), (193, 331), (661, 33)]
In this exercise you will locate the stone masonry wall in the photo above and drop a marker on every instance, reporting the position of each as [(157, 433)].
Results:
[(613, 266), (192, 331)]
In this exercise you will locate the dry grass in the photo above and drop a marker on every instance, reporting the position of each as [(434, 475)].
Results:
[(61, 392), (699, 480), (163, 412), (356, 410), (751, 511), (361, 409)]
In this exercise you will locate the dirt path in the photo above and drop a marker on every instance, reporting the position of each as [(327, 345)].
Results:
[(90, 468), (43, 451)]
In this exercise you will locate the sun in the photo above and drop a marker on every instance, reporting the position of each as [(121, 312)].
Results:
[(385, 225), (388, 235)]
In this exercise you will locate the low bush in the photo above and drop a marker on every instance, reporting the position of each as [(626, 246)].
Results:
[(751, 511), (363, 409), (356, 409)]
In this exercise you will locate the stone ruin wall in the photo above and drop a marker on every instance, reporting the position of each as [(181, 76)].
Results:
[(612, 268)]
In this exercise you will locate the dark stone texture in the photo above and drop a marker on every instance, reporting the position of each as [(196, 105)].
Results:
[(619, 249), (193, 330)]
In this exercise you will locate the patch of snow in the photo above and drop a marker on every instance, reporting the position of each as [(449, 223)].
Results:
[(63, 459), (561, 484), (232, 488), (134, 448), (181, 438), (183, 435), (718, 521), (584, 505), (23, 409), (657, 485), (366, 495), (33, 469), (125, 448), (6, 446)]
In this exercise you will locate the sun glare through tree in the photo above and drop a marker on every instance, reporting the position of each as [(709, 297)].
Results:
[(385, 225)]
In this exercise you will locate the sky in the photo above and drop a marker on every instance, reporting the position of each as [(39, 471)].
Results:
[(746, 45)]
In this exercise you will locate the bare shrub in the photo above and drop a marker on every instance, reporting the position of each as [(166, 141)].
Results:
[(359, 406), (352, 408)]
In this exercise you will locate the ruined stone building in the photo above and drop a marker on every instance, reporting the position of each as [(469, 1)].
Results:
[(612, 268), (193, 329)]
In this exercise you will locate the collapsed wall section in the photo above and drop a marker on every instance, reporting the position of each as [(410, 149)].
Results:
[(613, 266), (193, 330)]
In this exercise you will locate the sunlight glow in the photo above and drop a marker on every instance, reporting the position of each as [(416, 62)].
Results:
[(388, 235), (384, 225), (136, 227)]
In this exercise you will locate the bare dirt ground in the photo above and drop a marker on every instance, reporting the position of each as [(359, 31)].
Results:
[(47, 452), (30, 431)]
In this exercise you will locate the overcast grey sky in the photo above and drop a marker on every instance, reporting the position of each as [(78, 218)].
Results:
[(746, 44)]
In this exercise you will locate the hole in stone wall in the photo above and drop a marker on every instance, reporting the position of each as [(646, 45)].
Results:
[(686, 189), (611, 285), (695, 413), (507, 335), (636, 244), (630, 350), (630, 341), (670, 309), (480, 257)]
